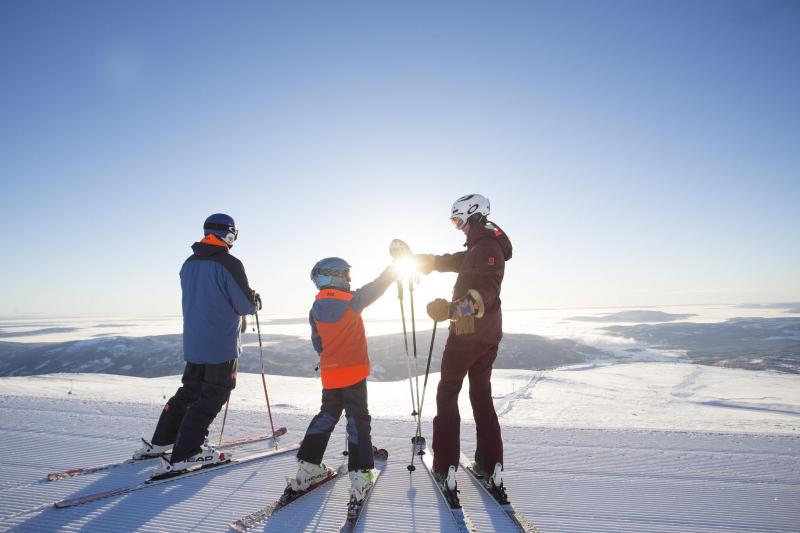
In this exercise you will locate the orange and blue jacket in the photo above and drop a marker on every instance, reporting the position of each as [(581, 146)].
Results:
[(337, 331)]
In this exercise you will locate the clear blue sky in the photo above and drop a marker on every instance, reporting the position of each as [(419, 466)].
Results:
[(638, 153)]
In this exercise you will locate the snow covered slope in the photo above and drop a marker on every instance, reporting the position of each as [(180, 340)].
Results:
[(639, 447)]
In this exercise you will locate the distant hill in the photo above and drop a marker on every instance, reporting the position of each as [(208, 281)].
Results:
[(751, 343), (283, 355), (634, 316)]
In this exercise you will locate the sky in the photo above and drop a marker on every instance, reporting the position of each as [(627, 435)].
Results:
[(637, 153)]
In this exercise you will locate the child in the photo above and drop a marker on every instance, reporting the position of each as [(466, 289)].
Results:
[(337, 333)]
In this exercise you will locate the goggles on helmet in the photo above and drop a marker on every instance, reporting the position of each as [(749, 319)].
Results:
[(457, 222), (222, 227)]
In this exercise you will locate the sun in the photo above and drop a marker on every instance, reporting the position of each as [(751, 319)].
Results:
[(406, 266)]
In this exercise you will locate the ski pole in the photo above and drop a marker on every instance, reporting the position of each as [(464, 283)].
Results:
[(418, 437), (405, 343), (414, 337), (427, 370), (263, 379), (224, 418)]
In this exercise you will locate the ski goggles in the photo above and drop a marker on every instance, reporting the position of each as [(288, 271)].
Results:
[(334, 273), (223, 227), (457, 222)]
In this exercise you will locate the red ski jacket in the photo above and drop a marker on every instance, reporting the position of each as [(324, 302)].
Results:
[(481, 268)]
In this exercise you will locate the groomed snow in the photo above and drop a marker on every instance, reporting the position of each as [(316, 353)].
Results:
[(668, 396), (638, 447)]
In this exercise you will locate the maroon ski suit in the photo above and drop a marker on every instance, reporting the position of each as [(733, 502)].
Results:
[(481, 268)]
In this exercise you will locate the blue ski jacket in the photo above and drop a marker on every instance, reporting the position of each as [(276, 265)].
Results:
[(215, 294)]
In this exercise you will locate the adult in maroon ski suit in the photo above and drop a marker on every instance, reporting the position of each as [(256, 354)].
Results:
[(479, 268)]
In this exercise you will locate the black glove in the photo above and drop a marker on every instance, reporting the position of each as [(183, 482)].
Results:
[(425, 263), (257, 300), (439, 310)]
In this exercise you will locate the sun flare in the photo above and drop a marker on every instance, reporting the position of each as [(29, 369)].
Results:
[(406, 266)]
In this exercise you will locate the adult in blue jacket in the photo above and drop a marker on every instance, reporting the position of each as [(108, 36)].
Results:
[(215, 296)]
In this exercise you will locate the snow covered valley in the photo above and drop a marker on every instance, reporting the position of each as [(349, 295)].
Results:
[(645, 446)]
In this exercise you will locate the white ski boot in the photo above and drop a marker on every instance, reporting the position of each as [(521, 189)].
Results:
[(307, 475), (495, 484), (360, 483), (449, 487), (207, 456), (149, 451)]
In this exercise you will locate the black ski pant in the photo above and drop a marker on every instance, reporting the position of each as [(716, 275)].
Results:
[(353, 400), (186, 416)]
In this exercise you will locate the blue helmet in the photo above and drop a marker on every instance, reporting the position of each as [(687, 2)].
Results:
[(222, 226), (331, 272)]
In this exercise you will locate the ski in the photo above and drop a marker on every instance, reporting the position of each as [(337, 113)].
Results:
[(461, 519), (88, 498), (256, 517), (55, 476), (519, 519), (354, 514)]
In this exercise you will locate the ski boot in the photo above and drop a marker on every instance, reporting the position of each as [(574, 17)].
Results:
[(207, 456), (307, 475), (449, 486), (361, 481), (149, 451), (495, 484), (493, 481)]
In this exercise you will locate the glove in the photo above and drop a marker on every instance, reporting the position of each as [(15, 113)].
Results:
[(471, 304), (425, 262), (257, 300), (439, 310), (399, 249), (244, 325)]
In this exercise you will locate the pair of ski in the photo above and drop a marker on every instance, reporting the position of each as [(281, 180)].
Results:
[(462, 521), (353, 511), (93, 497), (55, 476)]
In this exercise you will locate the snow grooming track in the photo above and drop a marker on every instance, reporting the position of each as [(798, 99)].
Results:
[(55, 476), (520, 520), (460, 518), (510, 399), (80, 500), (258, 516)]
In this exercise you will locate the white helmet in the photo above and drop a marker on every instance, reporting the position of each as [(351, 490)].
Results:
[(466, 206)]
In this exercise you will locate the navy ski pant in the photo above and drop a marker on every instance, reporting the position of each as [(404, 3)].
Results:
[(474, 358), (353, 400), (186, 416)]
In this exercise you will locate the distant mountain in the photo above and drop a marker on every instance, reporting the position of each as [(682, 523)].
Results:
[(634, 316), (283, 355), (789, 307), (751, 343)]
